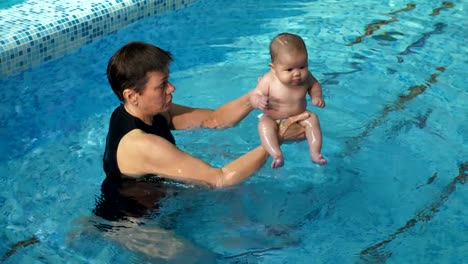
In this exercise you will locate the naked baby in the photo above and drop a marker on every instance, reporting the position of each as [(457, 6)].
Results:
[(281, 93)]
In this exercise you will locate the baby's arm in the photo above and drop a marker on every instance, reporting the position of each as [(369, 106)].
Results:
[(259, 97), (315, 92)]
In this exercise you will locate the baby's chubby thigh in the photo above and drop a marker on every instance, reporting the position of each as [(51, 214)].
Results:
[(311, 121), (268, 132), (266, 123)]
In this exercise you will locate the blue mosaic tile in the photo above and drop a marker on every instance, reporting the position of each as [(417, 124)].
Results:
[(29, 32)]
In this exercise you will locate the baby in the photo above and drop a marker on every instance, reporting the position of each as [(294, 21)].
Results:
[(281, 93)]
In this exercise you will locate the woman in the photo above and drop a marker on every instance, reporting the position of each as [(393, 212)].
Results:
[(140, 144), (139, 141)]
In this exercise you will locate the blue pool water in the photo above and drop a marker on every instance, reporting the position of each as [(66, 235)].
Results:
[(395, 134), (9, 3)]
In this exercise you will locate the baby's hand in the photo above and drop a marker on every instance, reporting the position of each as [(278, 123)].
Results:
[(261, 102), (318, 101)]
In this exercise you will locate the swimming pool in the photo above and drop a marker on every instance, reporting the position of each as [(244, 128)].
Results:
[(38, 31), (10, 3), (394, 128)]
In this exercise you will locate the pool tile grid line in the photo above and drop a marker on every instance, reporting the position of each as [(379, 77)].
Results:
[(375, 253), (24, 243), (372, 27), (411, 93), (38, 31)]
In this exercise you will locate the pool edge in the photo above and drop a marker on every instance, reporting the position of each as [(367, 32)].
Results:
[(39, 42)]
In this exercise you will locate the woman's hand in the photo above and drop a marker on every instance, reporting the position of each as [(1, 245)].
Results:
[(290, 130)]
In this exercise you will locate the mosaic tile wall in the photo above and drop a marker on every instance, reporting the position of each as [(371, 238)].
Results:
[(37, 31)]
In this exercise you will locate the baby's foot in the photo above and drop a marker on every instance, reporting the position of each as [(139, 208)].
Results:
[(277, 162), (318, 158)]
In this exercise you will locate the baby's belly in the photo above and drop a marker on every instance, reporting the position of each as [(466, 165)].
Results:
[(284, 112)]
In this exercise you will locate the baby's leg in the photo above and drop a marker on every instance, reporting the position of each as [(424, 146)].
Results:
[(314, 137), (268, 131)]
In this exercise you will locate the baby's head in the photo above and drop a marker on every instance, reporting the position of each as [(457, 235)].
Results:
[(287, 44), (289, 62)]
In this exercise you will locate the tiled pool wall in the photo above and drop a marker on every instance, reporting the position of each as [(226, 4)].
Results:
[(37, 31)]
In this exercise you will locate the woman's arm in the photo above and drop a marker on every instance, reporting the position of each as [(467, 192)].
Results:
[(227, 115), (140, 153)]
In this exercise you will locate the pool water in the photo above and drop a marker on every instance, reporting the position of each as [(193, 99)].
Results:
[(9, 3), (395, 134)]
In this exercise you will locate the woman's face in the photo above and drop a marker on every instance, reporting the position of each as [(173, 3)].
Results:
[(157, 95)]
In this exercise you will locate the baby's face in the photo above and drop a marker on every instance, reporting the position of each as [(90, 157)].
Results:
[(291, 70)]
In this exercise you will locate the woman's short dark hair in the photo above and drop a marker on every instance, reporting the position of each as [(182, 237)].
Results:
[(128, 67)]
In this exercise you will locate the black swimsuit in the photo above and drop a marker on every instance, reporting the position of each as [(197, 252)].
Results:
[(121, 123), (122, 197)]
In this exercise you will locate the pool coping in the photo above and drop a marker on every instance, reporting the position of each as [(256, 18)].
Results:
[(38, 31)]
